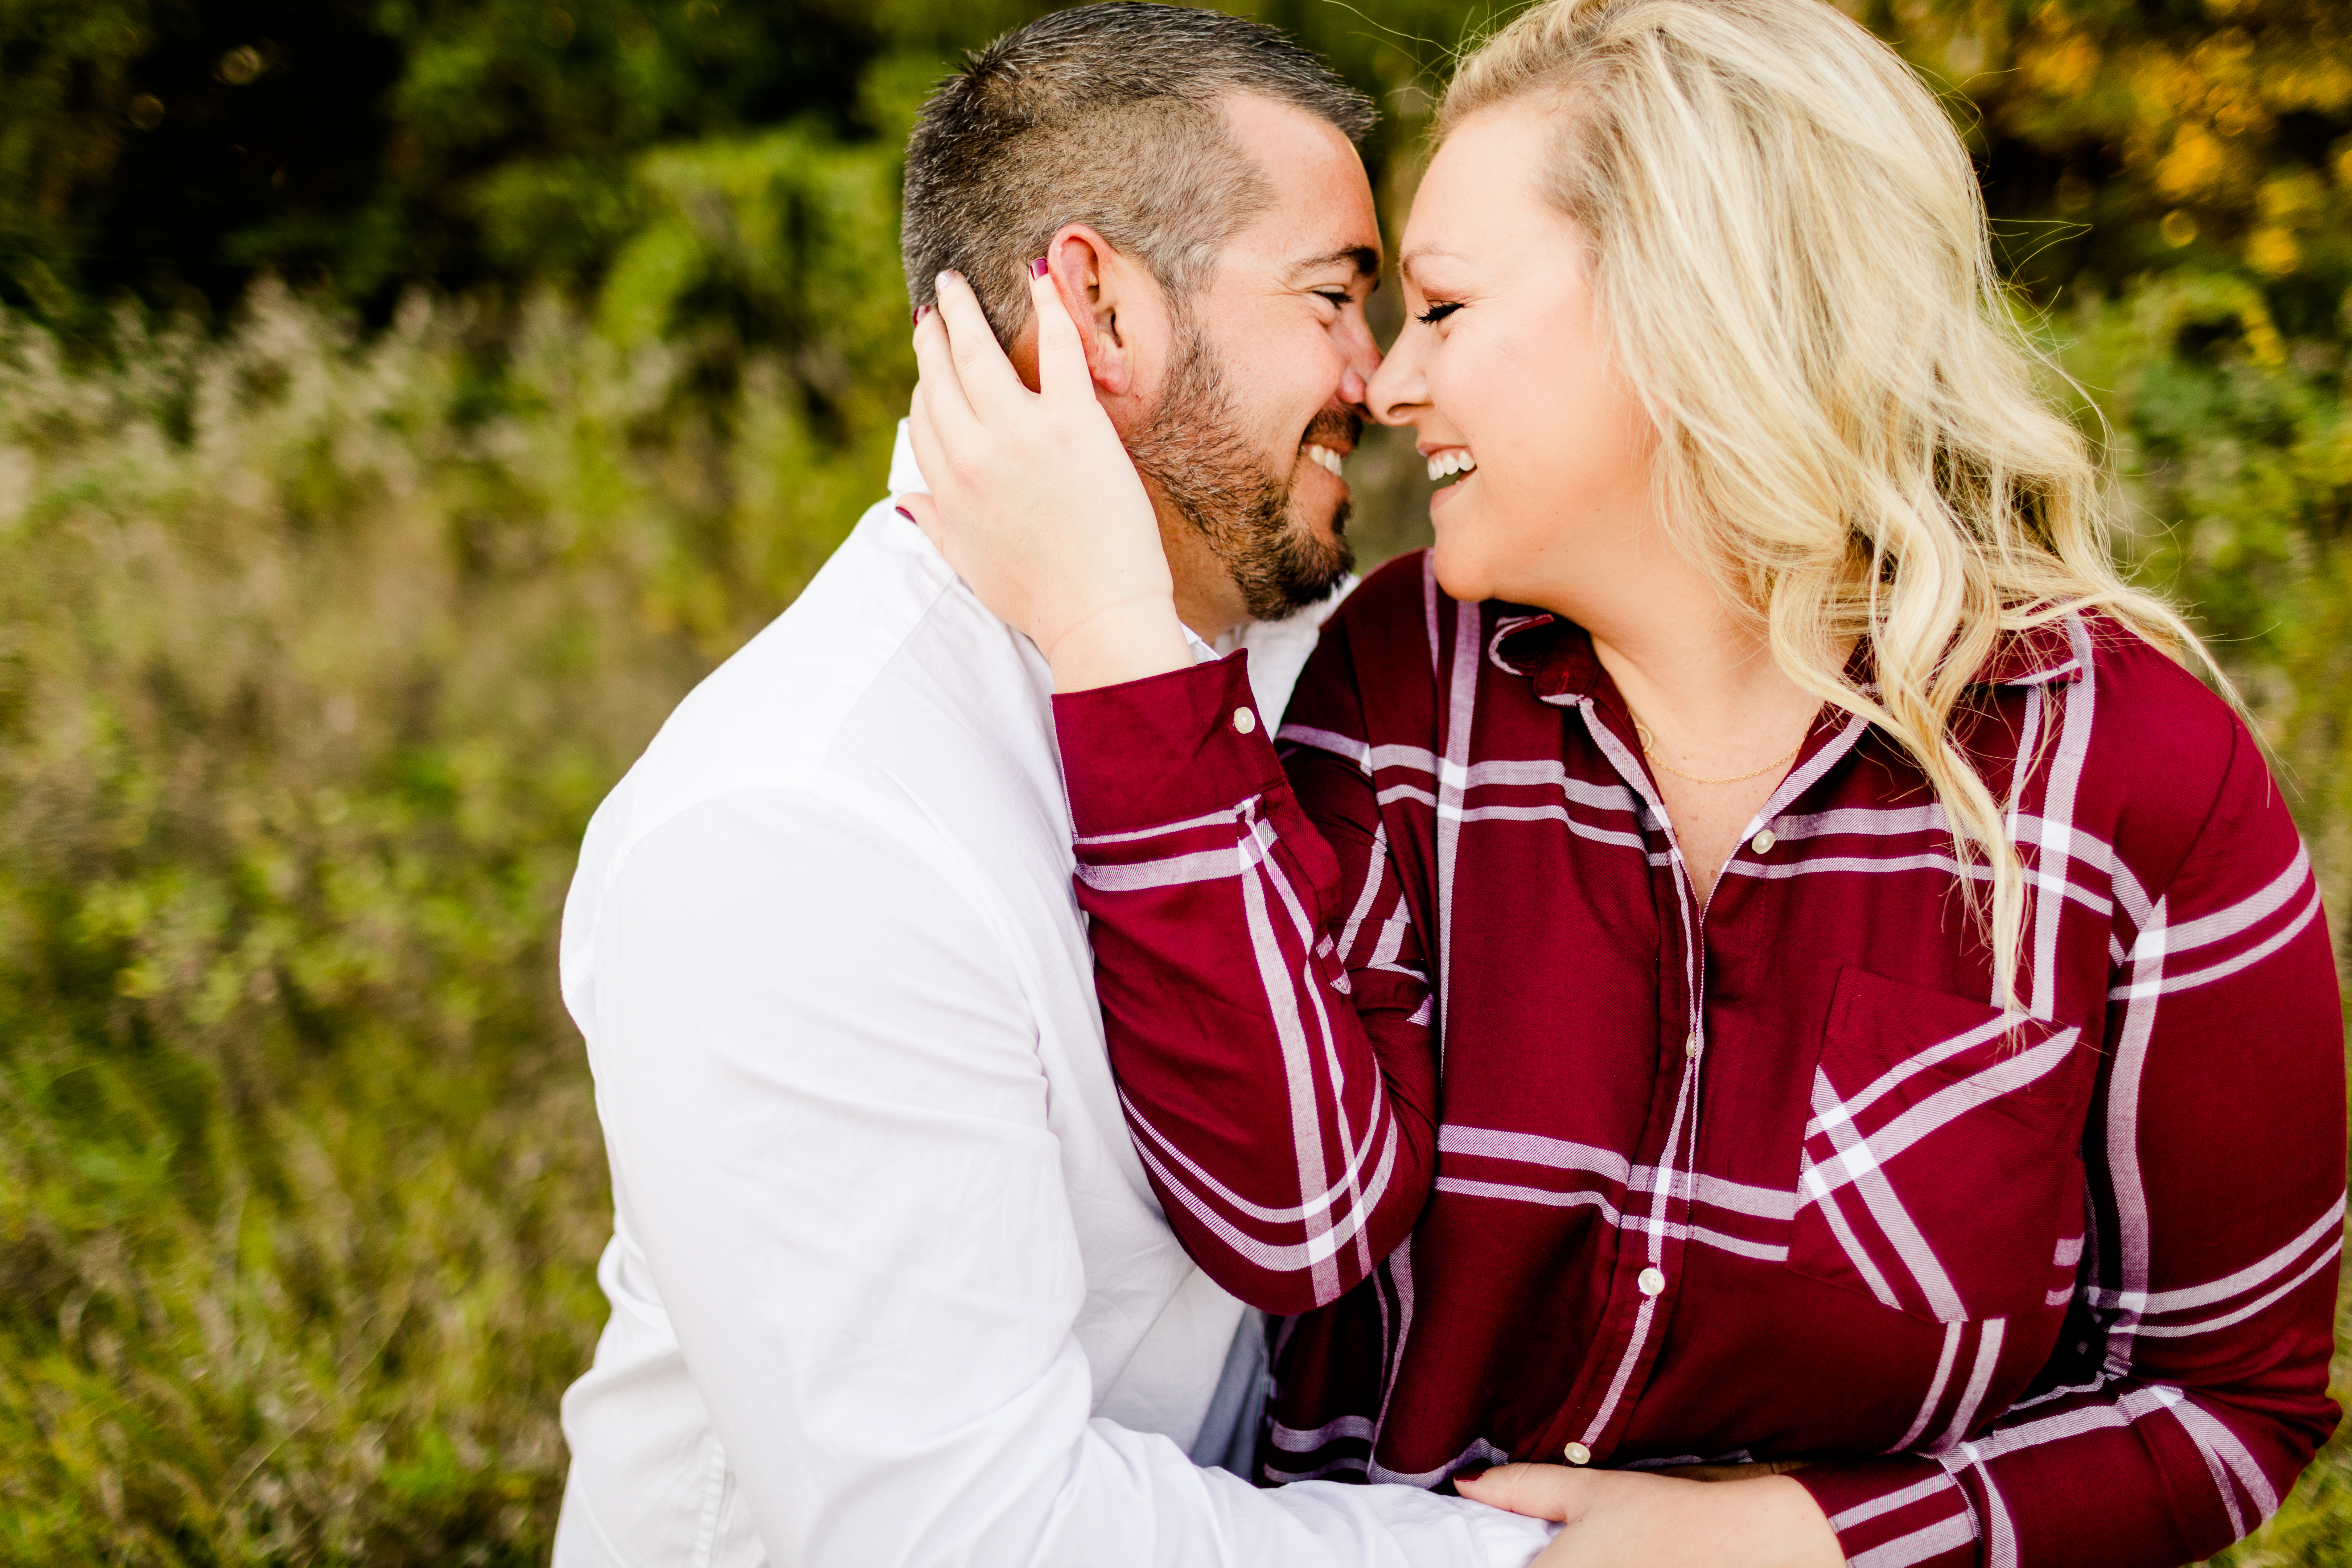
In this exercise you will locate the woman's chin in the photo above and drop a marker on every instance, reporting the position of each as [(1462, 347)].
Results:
[(1460, 564), (1461, 574)]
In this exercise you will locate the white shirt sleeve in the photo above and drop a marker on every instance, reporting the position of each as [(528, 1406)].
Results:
[(828, 1122)]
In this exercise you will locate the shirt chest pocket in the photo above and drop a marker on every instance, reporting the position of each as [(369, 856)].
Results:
[(1941, 1171)]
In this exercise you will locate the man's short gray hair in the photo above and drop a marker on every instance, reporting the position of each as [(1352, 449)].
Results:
[(1110, 115)]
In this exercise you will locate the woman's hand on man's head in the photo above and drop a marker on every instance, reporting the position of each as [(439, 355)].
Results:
[(1034, 501), (1625, 1519)]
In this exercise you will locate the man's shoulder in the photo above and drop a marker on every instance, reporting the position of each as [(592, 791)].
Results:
[(886, 707), (883, 674)]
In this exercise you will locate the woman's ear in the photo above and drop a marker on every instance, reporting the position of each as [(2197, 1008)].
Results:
[(1105, 293)]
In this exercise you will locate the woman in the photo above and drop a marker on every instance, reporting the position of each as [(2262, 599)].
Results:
[(1754, 955)]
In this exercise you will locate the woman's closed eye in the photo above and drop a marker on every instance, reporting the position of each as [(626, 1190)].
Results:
[(1438, 311)]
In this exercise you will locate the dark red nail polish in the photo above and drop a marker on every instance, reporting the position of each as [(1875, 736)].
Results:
[(909, 516), (921, 312), (1038, 267), (1469, 1473)]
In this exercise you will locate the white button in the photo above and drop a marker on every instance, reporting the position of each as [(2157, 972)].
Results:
[(1652, 1281), (1245, 721), (1762, 843), (1690, 1047), (1578, 1454)]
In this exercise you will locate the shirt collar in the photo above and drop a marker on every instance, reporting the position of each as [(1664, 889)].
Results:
[(1556, 657)]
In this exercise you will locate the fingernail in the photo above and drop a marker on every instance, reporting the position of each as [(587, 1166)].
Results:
[(921, 312), (1468, 1473), (909, 516), (1038, 267)]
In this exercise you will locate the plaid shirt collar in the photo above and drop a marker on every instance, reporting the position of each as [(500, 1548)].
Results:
[(1556, 655)]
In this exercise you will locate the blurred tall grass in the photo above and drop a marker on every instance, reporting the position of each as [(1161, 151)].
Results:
[(323, 632), (314, 656), (316, 651)]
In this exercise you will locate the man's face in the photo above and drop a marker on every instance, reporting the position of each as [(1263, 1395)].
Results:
[(1264, 385)]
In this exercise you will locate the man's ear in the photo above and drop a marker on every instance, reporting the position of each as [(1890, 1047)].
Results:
[(1103, 292)]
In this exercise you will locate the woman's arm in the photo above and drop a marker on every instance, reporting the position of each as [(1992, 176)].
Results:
[(1283, 1105), (1262, 983)]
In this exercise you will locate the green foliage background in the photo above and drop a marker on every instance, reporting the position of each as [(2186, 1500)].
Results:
[(402, 402)]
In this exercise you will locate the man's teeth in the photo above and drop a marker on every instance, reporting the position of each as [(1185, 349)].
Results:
[(1456, 461), (1326, 459)]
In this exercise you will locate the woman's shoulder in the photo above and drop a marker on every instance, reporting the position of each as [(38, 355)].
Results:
[(2147, 704), (2165, 758)]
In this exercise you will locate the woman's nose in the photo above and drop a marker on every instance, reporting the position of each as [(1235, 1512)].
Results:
[(1396, 393)]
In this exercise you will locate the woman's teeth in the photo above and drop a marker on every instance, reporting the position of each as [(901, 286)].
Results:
[(1456, 461), (1325, 458)]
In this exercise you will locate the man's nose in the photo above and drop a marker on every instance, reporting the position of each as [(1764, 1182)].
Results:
[(1363, 364)]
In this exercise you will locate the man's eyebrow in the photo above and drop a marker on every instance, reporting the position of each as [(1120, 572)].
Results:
[(1364, 258)]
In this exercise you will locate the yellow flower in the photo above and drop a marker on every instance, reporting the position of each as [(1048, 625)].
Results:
[(2272, 252), (2195, 163)]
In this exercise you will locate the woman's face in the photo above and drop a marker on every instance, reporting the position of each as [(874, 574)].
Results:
[(1501, 363)]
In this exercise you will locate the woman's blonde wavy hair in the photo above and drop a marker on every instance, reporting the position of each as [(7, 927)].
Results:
[(1788, 253)]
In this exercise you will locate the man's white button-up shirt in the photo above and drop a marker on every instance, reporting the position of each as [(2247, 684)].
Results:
[(889, 1284)]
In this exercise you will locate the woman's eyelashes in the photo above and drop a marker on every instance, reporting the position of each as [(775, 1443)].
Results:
[(1438, 311)]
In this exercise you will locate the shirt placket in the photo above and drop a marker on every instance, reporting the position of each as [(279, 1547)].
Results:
[(1644, 1281), (1644, 1284)]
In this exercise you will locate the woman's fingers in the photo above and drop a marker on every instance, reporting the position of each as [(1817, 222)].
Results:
[(988, 381), (923, 435), (940, 389), (1540, 1491), (1061, 353)]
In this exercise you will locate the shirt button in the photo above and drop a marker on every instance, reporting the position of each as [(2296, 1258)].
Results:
[(1690, 1047), (1245, 721), (1577, 1454), (1652, 1281), (1762, 843)]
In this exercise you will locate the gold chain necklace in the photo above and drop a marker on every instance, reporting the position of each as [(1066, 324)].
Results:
[(1650, 750)]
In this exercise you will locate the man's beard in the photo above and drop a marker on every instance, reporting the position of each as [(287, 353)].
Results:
[(1192, 448)]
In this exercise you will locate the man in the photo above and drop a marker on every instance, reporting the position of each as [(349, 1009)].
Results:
[(889, 1283)]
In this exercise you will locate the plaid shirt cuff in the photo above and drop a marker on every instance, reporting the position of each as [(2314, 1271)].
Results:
[(1164, 749), (1904, 1511)]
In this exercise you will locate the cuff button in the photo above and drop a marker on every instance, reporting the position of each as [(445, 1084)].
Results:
[(1577, 1454), (1245, 721)]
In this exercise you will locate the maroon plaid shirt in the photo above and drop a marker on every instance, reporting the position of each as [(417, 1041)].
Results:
[(1426, 1042)]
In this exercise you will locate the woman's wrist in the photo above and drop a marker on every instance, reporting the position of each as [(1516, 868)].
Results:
[(1132, 641)]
